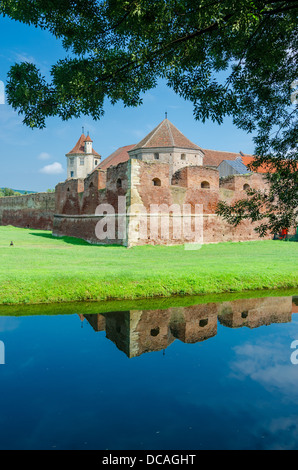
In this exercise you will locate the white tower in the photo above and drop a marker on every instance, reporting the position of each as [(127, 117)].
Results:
[(82, 159)]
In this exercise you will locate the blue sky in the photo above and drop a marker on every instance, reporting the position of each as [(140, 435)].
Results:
[(25, 153)]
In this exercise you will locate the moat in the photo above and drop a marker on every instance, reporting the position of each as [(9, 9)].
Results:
[(215, 375)]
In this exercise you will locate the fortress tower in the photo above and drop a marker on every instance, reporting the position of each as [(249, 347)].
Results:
[(82, 159), (166, 144)]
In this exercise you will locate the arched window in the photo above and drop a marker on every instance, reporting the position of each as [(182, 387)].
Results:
[(246, 187), (156, 182), (91, 185), (96, 162), (205, 185), (119, 183)]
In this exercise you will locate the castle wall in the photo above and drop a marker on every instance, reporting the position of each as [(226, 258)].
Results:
[(151, 196), (254, 313), (238, 182), (34, 211), (176, 158)]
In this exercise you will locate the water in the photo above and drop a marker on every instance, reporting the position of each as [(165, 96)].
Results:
[(207, 376)]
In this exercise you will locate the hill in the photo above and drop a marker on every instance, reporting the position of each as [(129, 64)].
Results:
[(20, 191)]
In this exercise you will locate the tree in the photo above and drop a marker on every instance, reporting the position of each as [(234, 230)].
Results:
[(4, 192), (228, 57)]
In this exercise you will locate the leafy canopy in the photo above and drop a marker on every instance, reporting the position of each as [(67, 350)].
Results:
[(119, 49)]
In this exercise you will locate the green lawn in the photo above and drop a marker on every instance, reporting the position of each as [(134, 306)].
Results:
[(42, 269)]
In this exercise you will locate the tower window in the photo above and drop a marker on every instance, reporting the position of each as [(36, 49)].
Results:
[(82, 161), (183, 156), (156, 182), (71, 174), (71, 161), (96, 162)]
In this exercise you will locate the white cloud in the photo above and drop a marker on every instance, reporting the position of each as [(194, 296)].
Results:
[(53, 169), (24, 57), (44, 156), (268, 363)]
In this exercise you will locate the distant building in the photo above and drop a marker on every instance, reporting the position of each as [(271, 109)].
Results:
[(82, 159), (232, 167)]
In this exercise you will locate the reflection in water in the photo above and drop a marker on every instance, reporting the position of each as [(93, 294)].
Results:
[(136, 332)]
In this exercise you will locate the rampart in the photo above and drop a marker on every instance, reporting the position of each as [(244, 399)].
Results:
[(28, 211)]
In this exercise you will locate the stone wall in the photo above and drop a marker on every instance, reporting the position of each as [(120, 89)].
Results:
[(137, 332), (145, 185), (34, 211)]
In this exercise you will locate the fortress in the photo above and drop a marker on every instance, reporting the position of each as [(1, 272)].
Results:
[(121, 196), (136, 332)]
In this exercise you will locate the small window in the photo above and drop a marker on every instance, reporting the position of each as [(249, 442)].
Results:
[(156, 182), (119, 183), (96, 162), (183, 156), (71, 161), (91, 185), (154, 332), (156, 156), (82, 161), (71, 174), (246, 187), (205, 185)]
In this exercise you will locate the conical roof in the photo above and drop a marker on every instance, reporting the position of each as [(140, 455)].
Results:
[(79, 148), (168, 136)]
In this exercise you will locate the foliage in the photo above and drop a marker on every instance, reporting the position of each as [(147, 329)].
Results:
[(233, 58), (4, 192)]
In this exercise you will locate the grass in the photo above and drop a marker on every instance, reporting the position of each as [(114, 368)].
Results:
[(41, 269)]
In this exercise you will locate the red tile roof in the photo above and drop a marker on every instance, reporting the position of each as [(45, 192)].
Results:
[(212, 157), (119, 156), (247, 159), (79, 148), (166, 135), (216, 157)]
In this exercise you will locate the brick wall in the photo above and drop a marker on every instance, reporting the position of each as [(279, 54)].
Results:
[(29, 211)]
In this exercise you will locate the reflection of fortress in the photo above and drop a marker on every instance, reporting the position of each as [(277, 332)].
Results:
[(139, 331)]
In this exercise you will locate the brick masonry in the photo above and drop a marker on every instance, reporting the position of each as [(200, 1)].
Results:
[(136, 332), (146, 185), (34, 211)]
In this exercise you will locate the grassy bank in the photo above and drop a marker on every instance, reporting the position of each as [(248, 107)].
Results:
[(42, 269)]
